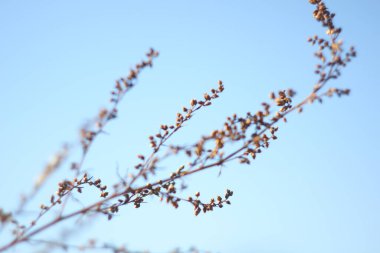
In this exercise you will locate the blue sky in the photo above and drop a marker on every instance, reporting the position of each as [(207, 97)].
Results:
[(314, 190)]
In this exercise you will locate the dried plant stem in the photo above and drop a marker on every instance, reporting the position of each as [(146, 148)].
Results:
[(235, 130)]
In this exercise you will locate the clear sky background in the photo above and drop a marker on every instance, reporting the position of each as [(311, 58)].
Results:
[(316, 189)]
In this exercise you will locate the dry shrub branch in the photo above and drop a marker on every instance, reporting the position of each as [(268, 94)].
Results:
[(251, 133)]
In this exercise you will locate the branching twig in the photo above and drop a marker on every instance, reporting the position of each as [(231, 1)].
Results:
[(252, 133)]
